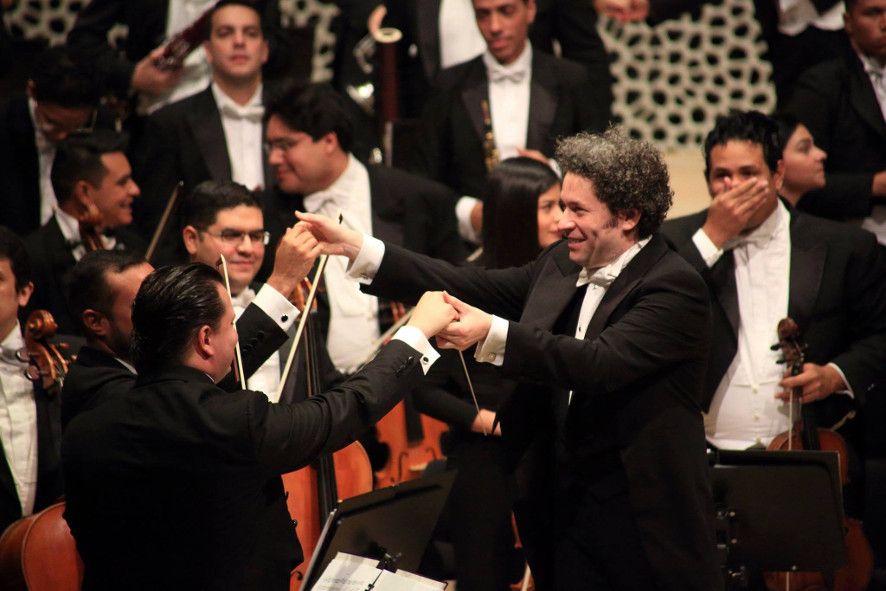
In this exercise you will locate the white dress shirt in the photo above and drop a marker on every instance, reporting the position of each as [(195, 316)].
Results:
[(70, 228), (353, 320), (795, 16), (196, 72), (267, 377), (460, 39), (243, 135), (744, 411), (45, 157), (509, 101), (18, 422)]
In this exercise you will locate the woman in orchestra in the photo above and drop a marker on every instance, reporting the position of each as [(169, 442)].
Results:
[(521, 210), (802, 160)]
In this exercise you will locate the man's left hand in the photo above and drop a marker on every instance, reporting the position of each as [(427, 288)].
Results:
[(471, 326), (817, 381)]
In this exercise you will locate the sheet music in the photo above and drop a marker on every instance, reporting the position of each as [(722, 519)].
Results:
[(347, 572)]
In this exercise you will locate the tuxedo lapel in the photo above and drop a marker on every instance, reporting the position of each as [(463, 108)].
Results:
[(624, 284), (25, 149), (807, 269), (554, 289), (386, 217), (863, 99), (206, 125), (427, 18), (474, 92), (542, 103), (725, 288)]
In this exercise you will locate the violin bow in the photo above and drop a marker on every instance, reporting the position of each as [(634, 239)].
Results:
[(164, 220), (303, 320), (239, 374)]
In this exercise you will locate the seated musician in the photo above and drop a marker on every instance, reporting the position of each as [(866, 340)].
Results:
[(224, 218), (803, 161), (30, 477), (93, 183), (175, 484), (102, 288)]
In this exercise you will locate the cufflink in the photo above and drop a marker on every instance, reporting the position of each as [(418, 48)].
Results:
[(490, 357), (284, 318)]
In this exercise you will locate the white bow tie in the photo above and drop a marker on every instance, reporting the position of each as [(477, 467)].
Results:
[(251, 113), (601, 278), (499, 74)]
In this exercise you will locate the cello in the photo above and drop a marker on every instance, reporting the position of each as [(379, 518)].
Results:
[(38, 552), (314, 491), (803, 433)]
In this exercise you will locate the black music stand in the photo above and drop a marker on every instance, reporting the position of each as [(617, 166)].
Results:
[(392, 525), (780, 511)]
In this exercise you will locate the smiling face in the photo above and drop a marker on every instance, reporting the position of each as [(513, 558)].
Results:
[(236, 47), (244, 256), (504, 25), (114, 194), (595, 235), (301, 164)]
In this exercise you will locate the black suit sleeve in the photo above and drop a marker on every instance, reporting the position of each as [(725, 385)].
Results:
[(260, 337), (288, 436), (666, 324), (155, 164)]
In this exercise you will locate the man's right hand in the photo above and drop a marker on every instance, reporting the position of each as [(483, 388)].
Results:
[(432, 314), (730, 211), (293, 260), (149, 79), (334, 238)]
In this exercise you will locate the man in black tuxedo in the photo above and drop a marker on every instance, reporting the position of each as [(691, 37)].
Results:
[(30, 473), (175, 484), (532, 97), (93, 183), (607, 333), (309, 137), (150, 24), (751, 248), (843, 103), (215, 134), (61, 96)]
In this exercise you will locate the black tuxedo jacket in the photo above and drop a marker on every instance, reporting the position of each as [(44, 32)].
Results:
[(49, 473), (95, 375), (146, 20), (183, 141), (20, 165), (634, 423), (573, 23), (562, 102), (51, 263), (836, 101), (176, 483), (407, 210), (837, 297)]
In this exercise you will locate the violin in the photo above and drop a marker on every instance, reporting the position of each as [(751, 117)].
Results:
[(89, 220), (47, 366), (856, 574)]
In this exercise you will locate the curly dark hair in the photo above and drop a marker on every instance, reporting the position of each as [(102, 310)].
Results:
[(170, 307), (745, 126), (627, 174)]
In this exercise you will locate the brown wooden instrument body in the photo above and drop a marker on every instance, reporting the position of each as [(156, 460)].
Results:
[(38, 553), (353, 476), (408, 459), (856, 574), (48, 365)]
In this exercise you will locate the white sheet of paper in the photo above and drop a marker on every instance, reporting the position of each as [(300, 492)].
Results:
[(347, 572)]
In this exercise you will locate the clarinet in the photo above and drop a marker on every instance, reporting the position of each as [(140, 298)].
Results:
[(490, 152)]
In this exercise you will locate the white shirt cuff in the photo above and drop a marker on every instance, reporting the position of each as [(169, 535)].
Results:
[(463, 210), (416, 339), (368, 260), (492, 349), (848, 391), (280, 309), (709, 252)]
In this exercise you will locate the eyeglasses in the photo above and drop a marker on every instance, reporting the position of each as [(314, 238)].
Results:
[(283, 145), (48, 125), (235, 237)]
